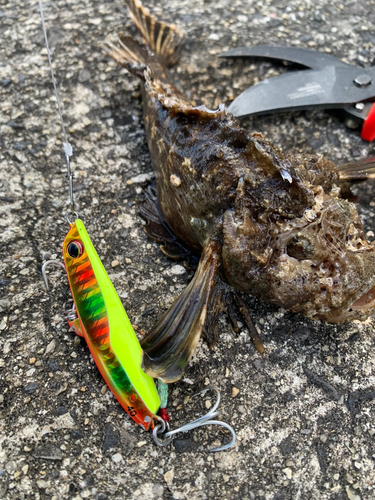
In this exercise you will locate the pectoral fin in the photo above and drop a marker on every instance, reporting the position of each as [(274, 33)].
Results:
[(353, 172), (170, 344), (158, 230), (358, 170)]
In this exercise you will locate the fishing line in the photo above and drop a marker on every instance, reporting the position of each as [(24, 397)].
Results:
[(68, 149)]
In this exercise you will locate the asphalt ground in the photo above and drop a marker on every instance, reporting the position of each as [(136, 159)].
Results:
[(304, 411)]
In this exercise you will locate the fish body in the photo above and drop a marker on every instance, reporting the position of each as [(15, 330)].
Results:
[(103, 322), (285, 234), (265, 222)]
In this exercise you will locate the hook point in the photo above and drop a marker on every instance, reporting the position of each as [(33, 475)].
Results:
[(199, 422), (44, 267)]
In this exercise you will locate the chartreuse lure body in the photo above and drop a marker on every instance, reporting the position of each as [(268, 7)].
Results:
[(102, 321)]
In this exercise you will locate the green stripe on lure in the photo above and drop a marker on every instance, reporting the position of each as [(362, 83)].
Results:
[(100, 318)]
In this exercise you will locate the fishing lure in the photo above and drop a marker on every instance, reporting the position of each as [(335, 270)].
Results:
[(99, 316)]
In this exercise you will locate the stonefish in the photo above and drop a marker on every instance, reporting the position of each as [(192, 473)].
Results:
[(264, 222)]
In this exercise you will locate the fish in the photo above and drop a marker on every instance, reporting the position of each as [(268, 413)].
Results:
[(262, 221)]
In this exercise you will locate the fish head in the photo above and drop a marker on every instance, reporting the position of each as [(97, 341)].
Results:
[(317, 262), (326, 268)]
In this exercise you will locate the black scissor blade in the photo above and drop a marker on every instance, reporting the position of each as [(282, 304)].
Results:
[(309, 58), (331, 87)]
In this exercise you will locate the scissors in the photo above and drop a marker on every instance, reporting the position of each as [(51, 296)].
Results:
[(328, 83)]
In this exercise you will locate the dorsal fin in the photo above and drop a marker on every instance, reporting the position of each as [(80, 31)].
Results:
[(163, 39)]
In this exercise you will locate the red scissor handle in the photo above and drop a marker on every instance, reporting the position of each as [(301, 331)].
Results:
[(368, 129)]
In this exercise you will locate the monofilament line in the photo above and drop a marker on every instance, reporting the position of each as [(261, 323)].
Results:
[(67, 146)]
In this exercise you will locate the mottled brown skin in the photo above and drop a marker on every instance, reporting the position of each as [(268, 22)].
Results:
[(266, 223), (296, 244)]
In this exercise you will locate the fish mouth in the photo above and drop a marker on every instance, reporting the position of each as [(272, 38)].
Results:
[(365, 301)]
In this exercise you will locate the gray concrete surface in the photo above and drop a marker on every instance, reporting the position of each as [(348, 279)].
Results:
[(303, 411)]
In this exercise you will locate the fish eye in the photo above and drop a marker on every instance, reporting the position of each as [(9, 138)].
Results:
[(75, 249), (300, 248)]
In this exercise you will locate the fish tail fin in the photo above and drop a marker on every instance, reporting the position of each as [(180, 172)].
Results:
[(163, 39), (128, 53), (163, 42)]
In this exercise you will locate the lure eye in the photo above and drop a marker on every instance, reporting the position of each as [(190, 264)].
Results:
[(300, 248), (75, 249)]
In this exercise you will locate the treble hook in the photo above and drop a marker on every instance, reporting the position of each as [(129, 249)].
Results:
[(44, 267), (199, 422)]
